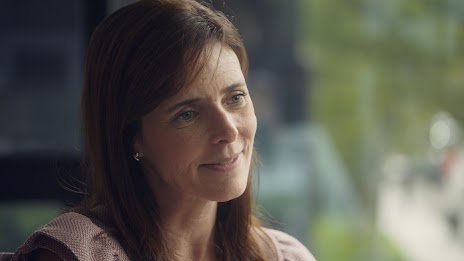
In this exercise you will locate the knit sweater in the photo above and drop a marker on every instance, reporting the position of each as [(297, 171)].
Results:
[(75, 237)]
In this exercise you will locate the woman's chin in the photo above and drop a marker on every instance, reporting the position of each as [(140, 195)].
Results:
[(228, 195)]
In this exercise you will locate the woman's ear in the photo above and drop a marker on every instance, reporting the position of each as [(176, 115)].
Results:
[(137, 147)]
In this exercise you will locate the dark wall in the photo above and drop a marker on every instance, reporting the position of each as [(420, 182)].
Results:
[(42, 50)]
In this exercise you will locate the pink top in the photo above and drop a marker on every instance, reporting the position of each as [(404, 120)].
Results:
[(75, 237)]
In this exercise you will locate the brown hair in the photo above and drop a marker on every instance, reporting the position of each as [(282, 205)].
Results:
[(137, 57)]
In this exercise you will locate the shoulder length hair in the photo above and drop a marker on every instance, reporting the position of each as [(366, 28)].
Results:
[(137, 57)]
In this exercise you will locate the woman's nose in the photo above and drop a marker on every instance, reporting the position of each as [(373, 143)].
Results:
[(223, 127)]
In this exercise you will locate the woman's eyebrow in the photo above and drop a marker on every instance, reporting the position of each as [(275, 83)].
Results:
[(195, 100), (182, 103), (232, 86)]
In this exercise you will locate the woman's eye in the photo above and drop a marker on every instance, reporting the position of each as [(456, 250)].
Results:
[(186, 116), (238, 98)]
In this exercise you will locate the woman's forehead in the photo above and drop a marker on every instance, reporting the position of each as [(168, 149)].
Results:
[(221, 64), (220, 71)]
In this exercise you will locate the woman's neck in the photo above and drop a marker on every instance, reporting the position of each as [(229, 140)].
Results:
[(189, 223)]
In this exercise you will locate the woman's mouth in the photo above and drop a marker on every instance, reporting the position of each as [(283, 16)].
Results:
[(224, 166)]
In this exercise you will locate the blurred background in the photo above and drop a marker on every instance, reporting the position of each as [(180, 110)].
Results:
[(360, 110)]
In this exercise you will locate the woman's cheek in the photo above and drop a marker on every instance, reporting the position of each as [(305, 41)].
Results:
[(249, 122)]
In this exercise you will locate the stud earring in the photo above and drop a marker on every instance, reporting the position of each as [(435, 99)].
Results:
[(137, 156)]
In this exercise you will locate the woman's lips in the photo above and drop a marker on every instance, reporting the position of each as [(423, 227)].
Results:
[(224, 166)]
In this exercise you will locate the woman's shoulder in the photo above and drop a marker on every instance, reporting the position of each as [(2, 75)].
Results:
[(72, 236), (286, 247)]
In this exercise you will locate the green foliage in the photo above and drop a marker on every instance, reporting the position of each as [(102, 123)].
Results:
[(381, 70), (336, 238), (19, 220)]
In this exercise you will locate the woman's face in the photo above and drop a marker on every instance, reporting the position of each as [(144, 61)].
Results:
[(199, 143)]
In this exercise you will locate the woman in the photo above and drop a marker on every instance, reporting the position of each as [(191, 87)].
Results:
[(169, 128)]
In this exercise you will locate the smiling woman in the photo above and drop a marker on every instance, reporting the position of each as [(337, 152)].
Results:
[(209, 132), (169, 128)]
